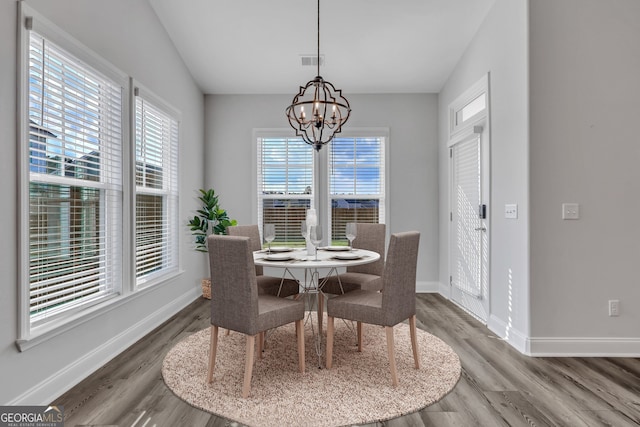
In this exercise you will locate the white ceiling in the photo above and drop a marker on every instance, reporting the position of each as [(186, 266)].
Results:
[(370, 46)]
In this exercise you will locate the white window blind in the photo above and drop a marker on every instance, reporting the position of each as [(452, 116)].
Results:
[(285, 186), (156, 189), (75, 187), (356, 182)]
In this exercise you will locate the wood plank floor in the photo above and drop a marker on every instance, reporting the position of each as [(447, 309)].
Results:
[(498, 385)]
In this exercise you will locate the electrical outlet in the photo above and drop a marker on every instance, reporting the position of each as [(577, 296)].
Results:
[(614, 307), (511, 211), (570, 211)]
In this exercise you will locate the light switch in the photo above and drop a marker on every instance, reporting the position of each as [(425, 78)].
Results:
[(511, 211), (570, 211)]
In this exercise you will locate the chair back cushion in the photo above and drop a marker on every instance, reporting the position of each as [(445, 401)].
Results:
[(372, 238), (399, 288), (234, 291), (251, 231)]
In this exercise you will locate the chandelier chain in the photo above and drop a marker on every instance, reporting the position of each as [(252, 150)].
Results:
[(318, 38)]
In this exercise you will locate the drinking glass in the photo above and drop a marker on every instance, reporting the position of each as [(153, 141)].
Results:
[(351, 233), (315, 234), (303, 230), (269, 234)]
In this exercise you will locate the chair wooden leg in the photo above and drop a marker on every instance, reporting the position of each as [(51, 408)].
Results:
[(228, 332), (414, 341), (329, 355), (248, 366), (260, 344), (320, 311), (212, 352), (392, 358), (300, 335), (359, 331)]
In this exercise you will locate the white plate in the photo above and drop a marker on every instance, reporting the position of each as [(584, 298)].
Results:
[(347, 256), (279, 257), (337, 248), (279, 249)]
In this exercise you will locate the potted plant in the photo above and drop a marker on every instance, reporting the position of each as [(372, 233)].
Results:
[(211, 219)]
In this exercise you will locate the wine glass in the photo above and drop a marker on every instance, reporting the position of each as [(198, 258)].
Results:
[(315, 234), (351, 233), (269, 234)]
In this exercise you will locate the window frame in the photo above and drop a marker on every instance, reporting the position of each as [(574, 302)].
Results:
[(257, 209), (456, 109), (383, 135), (321, 199), (171, 203), (29, 335)]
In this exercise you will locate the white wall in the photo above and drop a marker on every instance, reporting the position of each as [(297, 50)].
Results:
[(413, 158), (585, 148), (128, 34), (499, 48)]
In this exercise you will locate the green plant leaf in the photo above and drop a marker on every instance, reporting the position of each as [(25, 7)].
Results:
[(210, 218)]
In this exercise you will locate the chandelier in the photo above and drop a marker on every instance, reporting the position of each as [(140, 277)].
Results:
[(327, 109)]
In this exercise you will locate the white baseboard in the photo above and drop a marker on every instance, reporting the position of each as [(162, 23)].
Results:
[(584, 347), (515, 338), (552, 346), (444, 290), (565, 346), (427, 287), (52, 387)]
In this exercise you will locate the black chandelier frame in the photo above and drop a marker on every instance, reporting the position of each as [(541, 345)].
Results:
[(328, 109)]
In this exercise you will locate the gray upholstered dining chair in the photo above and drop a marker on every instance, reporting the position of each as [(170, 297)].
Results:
[(278, 286), (237, 305), (388, 308), (367, 276)]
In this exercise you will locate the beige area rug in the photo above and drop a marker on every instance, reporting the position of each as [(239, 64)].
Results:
[(356, 390)]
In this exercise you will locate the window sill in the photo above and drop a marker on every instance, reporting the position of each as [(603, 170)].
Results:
[(46, 332)]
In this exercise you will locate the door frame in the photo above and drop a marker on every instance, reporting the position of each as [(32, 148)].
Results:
[(459, 132)]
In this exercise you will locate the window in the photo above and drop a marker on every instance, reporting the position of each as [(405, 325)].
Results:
[(351, 187), (77, 153), (156, 148), (285, 186), (469, 109), (356, 182), (75, 187)]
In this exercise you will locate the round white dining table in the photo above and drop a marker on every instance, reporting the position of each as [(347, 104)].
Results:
[(331, 258), (328, 257)]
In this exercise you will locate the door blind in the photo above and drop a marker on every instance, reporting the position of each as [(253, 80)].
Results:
[(466, 219)]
